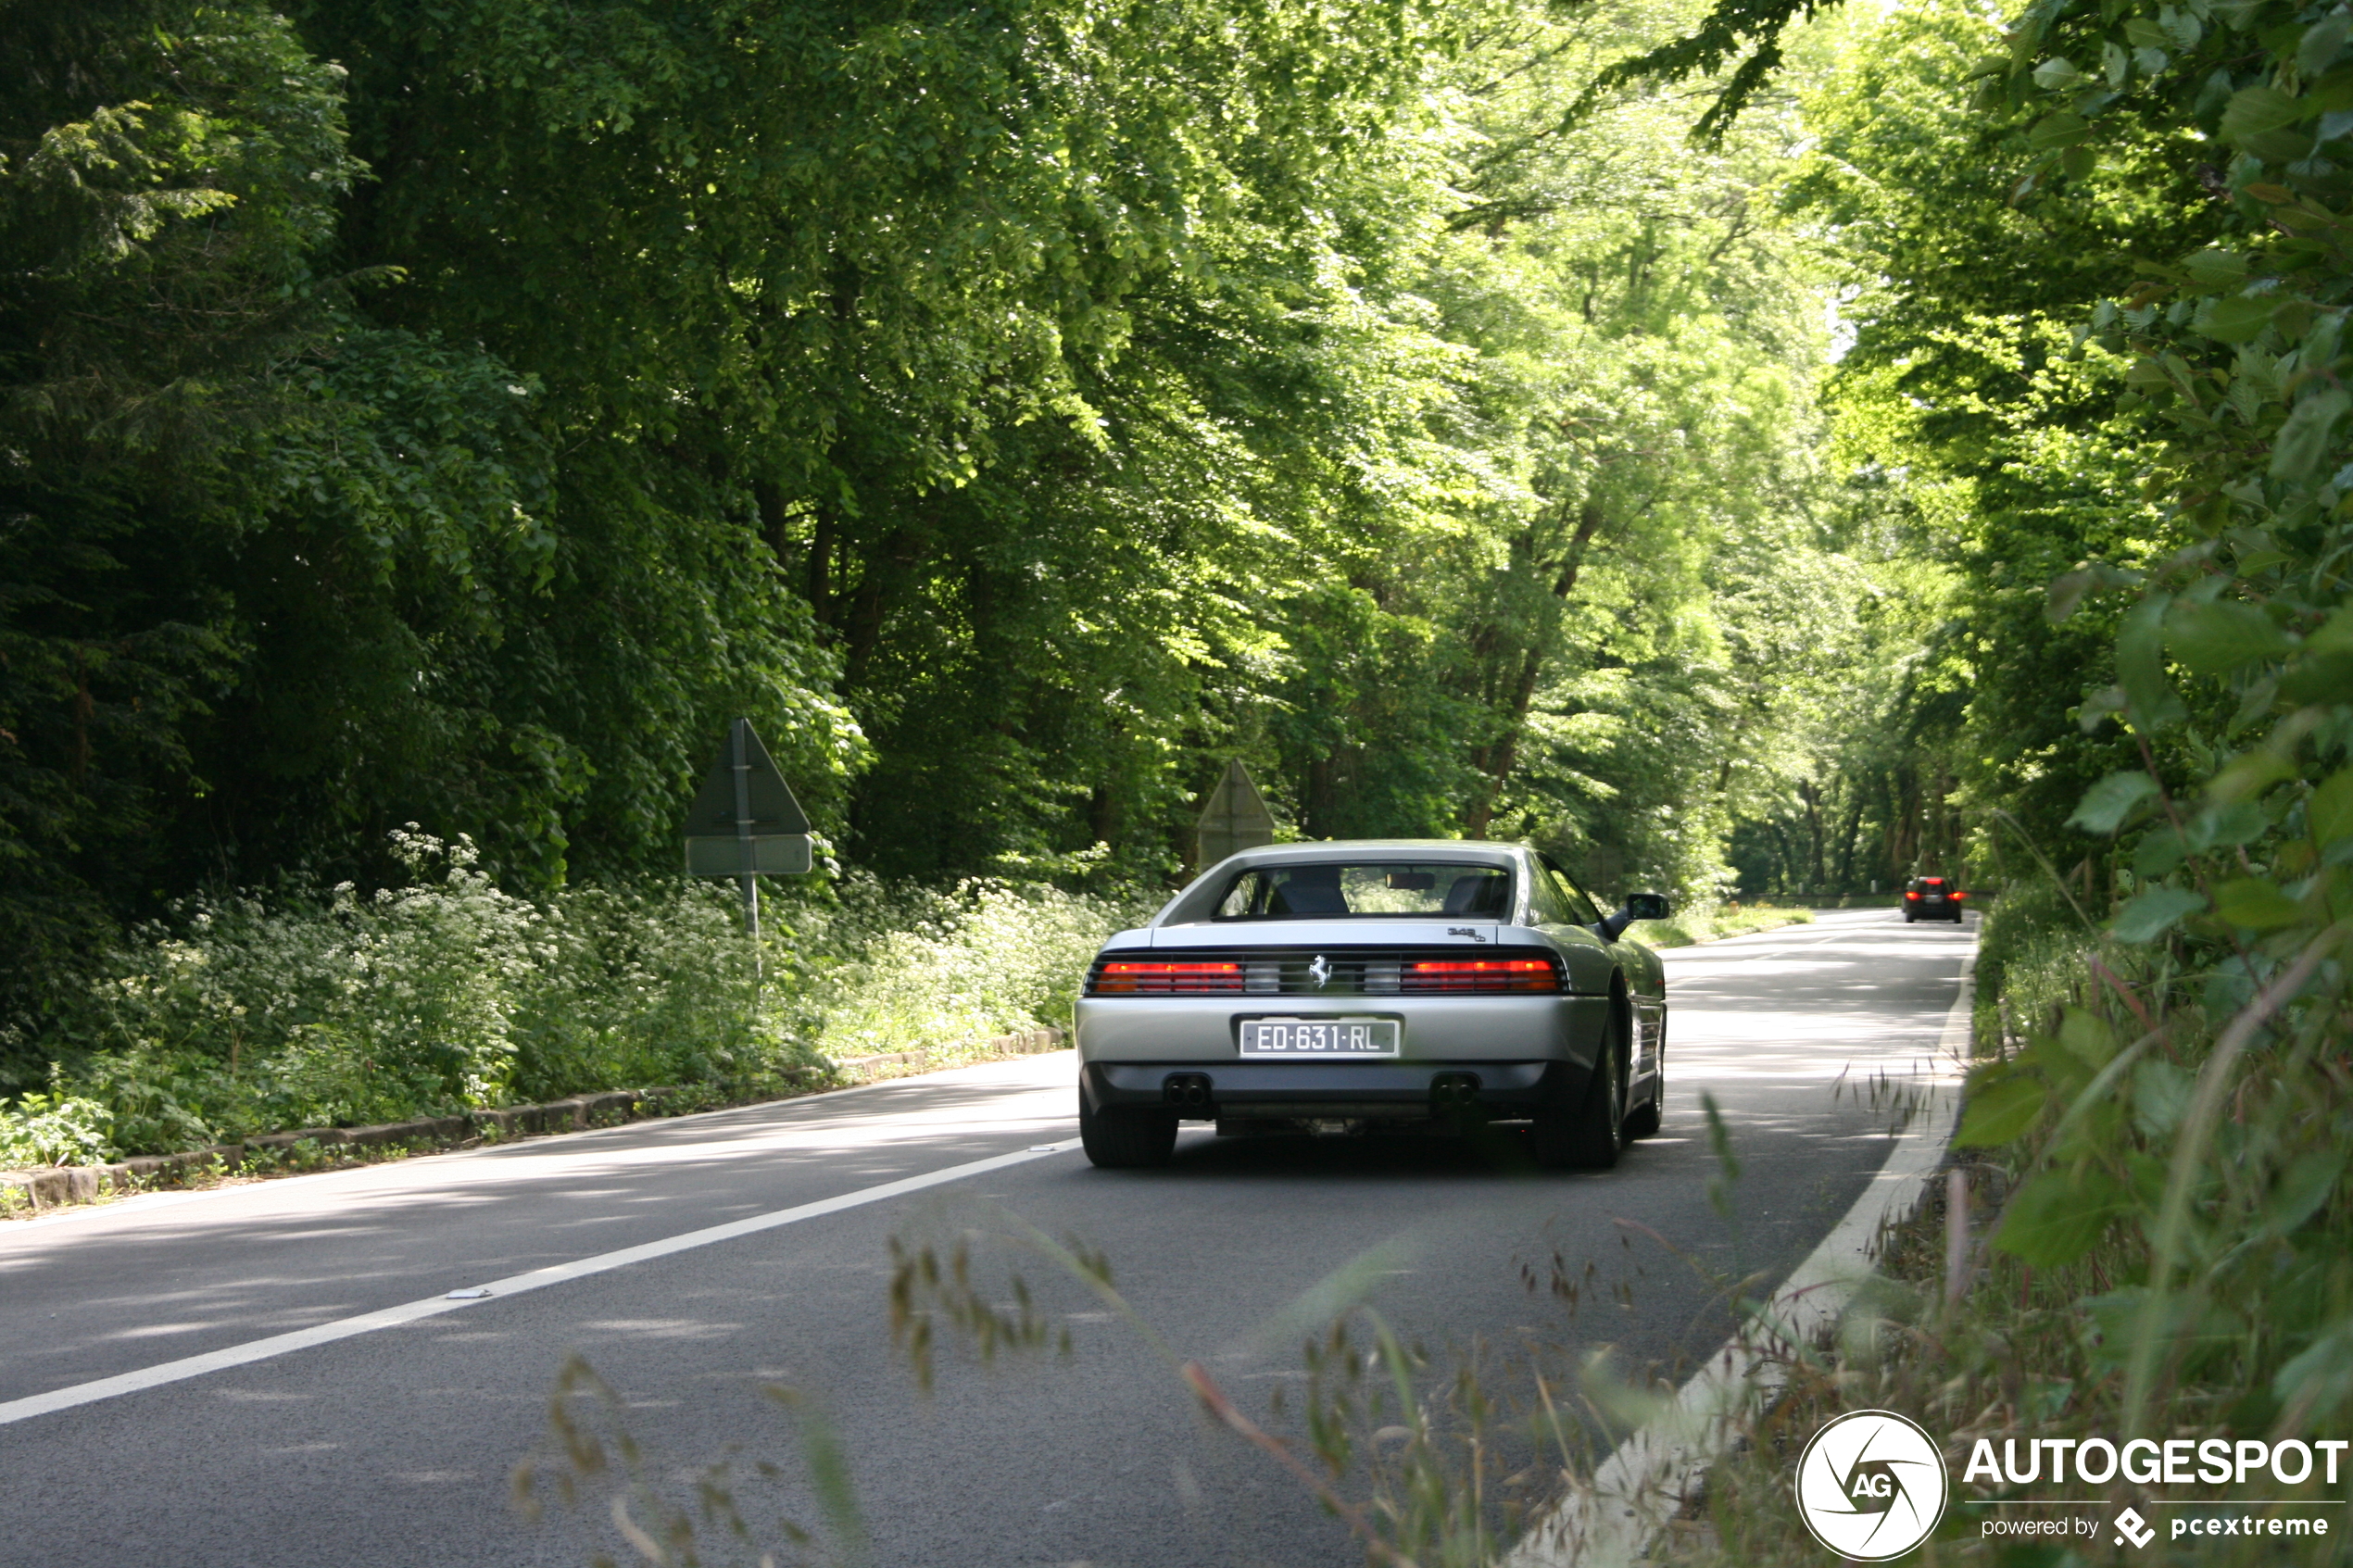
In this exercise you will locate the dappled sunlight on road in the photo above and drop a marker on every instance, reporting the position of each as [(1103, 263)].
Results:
[(1837, 999), (375, 1236)]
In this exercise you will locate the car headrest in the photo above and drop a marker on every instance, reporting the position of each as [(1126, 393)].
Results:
[(1308, 898), (1475, 894)]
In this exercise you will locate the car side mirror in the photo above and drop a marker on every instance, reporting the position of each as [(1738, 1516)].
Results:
[(1646, 906), (1639, 906)]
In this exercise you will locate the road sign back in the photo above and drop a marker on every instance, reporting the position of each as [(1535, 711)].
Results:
[(1237, 818), (744, 821), (773, 809)]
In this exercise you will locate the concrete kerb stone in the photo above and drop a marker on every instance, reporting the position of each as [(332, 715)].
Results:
[(87, 1184), (54, 1186)]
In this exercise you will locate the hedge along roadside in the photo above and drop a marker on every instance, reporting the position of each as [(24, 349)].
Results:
[(2180, 1124), (35, 1191), (255, 1013)]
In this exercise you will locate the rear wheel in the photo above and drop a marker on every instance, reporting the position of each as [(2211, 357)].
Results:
[(1118, 1138), (1589, 1137)]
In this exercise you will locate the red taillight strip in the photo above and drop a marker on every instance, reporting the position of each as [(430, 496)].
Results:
[(1481, 974), (1170, 977)]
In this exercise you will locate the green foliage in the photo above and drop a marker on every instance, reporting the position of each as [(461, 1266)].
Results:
[(252, 1014), (160, 188), (275, 575), (56, 1129), (245, 1016), (2244, 722), (939, 969), (1016, 411)]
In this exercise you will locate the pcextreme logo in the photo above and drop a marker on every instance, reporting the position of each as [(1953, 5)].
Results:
[(1871, 1486)]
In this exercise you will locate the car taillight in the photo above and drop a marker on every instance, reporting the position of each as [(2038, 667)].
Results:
[(1957, 893), (1481, 974), (1168, 978), (1912, 897)]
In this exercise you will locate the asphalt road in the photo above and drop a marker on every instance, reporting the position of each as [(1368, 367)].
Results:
[(395, 1446)]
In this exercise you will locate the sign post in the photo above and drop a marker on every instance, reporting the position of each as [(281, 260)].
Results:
[(1237, 818), (745, 823)]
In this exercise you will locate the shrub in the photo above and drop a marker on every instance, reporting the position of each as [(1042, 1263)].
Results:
[(988, 959), (243, 1014), (54, 1130)]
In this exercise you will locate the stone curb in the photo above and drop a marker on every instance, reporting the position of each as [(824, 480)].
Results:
[(58, 1185)]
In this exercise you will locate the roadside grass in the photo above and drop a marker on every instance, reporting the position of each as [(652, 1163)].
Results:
[(1697, 925), (2017, 1357), (2141, 1234)]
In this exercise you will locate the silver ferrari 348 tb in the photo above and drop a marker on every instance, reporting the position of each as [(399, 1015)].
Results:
[(1429, 982)]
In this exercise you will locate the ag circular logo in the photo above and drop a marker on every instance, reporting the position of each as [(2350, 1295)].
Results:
[(1871, 1486)]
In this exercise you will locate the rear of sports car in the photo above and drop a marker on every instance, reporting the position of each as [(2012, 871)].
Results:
[(1378, 1027), (1357, 985)]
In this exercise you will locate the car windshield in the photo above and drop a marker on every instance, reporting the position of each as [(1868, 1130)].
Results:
[(1366, 889)]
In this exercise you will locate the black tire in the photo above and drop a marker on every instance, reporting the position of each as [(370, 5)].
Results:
[(1908, 917), (1590, 1137), (1125, 1139)]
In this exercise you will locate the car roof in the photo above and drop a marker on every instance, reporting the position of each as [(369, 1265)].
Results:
[(1469, 851), (1197, 898)]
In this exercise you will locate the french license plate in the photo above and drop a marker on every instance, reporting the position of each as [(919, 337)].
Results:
[(1319, 1036)]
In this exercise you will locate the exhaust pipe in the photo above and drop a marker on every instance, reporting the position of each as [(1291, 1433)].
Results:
[(1186, 1091), (1454, 1092)]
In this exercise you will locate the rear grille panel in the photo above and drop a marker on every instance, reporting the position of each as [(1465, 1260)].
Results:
[(1349, 971)]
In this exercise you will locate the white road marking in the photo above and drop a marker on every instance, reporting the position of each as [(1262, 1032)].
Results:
[(813, 1121), (515, 1285)]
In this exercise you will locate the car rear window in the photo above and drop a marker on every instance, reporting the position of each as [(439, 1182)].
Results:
[(1367, 889)]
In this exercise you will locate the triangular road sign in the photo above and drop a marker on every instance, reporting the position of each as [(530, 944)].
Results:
[(1237, 818), (743, 819)]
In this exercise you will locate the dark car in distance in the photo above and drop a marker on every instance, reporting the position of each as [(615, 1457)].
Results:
[(1933, 897)]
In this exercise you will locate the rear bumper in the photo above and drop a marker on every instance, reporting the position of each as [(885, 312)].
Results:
[(1443, 1031), (1401, 1091)]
